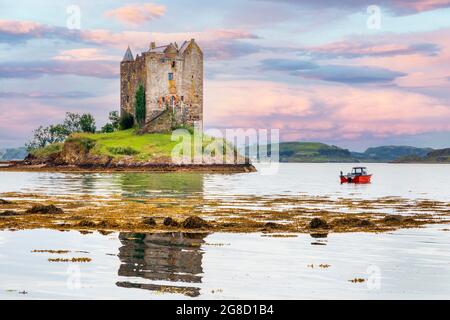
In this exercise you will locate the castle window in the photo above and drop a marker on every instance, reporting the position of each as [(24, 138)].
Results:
[(170, 76), (173, 64), (182, 98)]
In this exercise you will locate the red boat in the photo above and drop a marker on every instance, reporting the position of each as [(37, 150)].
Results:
[(358, 175)]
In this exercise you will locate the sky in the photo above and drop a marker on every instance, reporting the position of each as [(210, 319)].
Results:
[(352, 73)]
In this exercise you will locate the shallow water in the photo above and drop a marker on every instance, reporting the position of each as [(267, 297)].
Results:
[(410, 264), (407, 264), (412, 181)]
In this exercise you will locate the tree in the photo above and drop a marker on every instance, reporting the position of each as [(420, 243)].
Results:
[(72, 122), (126, 121), (140, 106), (108, 128), (87, 123), (114, 119), (43, 136)]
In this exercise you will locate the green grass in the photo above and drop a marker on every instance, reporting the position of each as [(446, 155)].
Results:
[(125, 143), (47, 151), (142, 147)]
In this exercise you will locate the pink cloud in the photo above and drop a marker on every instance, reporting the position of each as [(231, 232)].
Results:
[(137, 14), (85, 54), (421, 5), (323, 112)]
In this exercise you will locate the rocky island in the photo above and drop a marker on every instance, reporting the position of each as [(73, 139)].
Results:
[(161, 115)]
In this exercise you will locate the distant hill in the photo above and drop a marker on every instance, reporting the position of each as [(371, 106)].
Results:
[(320, 152), (312, 152), (13, 154), (390, 153), (434, 156)]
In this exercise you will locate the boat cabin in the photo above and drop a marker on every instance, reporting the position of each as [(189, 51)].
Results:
[(359, 171)]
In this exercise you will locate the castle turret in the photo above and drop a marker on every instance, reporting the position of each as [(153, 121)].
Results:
[(128, 55)]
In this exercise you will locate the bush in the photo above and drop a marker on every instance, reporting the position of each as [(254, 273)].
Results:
[(126, 121), (87, 143), (127, 151), (108, 128)]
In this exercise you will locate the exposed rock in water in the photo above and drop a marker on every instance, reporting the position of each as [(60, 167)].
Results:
[(43, 209), (393, 219), (8, 213), (352, 222), (318, 235), (5, 201), (318, 223), (87, 224), (107, 224), (149, 221), (272, 225), (169, 222), (194, 223)]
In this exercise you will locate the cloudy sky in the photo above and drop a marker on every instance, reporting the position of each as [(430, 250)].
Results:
[(319, 70)]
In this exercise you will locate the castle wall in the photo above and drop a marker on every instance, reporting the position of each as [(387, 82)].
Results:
[(192, 84), (181, 92), (163, 93), (132, 74)]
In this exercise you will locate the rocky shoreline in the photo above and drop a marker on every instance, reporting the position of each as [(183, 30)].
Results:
[(23, 166)]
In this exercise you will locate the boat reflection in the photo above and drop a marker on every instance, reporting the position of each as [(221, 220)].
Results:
[(162, 257)]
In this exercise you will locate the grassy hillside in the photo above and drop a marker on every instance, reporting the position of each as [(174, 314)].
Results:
[(312, 152), (127, 143), (154, 147), (390, 153), (435, 156)]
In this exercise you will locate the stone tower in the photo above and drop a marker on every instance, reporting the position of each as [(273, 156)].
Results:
[(172, 77)]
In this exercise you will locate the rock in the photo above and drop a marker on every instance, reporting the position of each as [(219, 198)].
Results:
[(149, 221), (169, 222), (5, 201), (8, 213), (87, 224), (393, 219), (194, 223), (107, 224), (43, 209), (318, 235), (318, 223), (353, 222), (272, 225)]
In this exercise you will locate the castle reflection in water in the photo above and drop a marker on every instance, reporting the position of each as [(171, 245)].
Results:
[(162, 262)]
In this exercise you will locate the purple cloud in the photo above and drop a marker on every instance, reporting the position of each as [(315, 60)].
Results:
[(398, 7), (36, 69), (46, 95), (357, 49), (350, 74), (332, 73)]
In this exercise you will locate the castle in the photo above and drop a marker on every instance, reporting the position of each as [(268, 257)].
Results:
[(172, 78)]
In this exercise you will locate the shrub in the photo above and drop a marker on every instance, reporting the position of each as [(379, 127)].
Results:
[(87, 143), (126, 121), (127, 151), (108, 128)]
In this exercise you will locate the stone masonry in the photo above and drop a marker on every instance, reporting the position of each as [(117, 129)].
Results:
[(173, 80)]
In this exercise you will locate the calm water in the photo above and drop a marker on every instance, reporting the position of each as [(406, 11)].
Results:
[(409, 264)]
